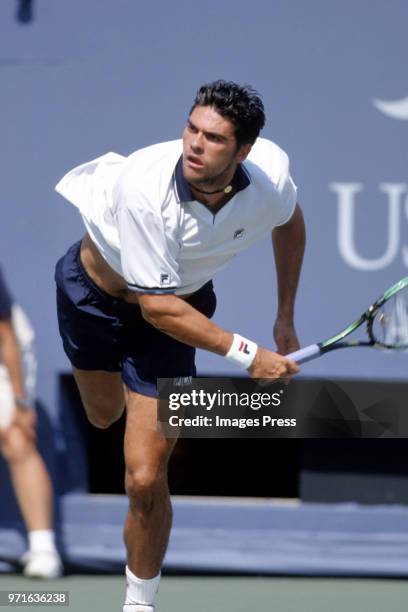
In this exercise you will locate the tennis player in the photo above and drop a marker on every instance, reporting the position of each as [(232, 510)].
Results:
[(135, 296), (29, 475)]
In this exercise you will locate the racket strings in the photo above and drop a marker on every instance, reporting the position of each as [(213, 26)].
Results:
[(391, 321)]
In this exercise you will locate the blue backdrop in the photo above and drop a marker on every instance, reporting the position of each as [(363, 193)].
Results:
[(89, 77)]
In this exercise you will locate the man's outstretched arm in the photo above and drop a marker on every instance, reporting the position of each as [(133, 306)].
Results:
[(288, 245), (177, 318)]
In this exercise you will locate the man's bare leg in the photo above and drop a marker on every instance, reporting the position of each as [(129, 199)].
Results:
[(149, 518), (147, 453)]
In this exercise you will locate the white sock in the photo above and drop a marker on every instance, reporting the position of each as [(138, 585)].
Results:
[(41, 540), (141, 591)]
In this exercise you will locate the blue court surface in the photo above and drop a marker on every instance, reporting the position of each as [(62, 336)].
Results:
[(240, 594)]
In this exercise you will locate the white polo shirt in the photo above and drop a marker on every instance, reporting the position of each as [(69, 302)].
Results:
[(141, 215)]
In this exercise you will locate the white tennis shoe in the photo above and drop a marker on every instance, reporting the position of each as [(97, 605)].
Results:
[(137, 608), (42, 564)]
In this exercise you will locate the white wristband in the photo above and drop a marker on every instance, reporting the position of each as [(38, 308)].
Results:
[(242, 352)]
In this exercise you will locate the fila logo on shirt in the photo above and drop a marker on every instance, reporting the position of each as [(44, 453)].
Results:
[(164, 280), (239, 233), (243, 348)]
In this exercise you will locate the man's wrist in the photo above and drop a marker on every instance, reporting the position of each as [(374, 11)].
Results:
[(242, 351), (286, 316)]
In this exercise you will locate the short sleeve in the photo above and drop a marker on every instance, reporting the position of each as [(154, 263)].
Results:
[(274, 163), (288, 197), (6, 301), (148, 257)]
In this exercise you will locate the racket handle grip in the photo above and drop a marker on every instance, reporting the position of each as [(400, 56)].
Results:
[(305, 354)]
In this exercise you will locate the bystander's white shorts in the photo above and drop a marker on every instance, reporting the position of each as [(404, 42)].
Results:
[(6, 399), (25, 338)]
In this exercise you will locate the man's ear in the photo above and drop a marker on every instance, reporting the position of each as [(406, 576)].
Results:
[(243, 152)]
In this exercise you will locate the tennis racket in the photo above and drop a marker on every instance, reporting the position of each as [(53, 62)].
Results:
[(386, 324)]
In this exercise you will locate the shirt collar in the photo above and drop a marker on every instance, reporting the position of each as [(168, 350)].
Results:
[(241, 180)]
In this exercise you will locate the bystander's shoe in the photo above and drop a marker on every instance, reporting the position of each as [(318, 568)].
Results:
[(42, 564)]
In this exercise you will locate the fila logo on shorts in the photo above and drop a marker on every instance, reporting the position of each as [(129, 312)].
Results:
[(164, 279), (183, 381)]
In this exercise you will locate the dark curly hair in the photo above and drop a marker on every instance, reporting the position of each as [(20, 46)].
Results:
[(242, 105)]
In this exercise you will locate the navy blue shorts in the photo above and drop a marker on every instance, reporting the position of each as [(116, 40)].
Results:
[(100, 332)]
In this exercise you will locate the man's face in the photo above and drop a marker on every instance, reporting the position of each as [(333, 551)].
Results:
[(209, 147)]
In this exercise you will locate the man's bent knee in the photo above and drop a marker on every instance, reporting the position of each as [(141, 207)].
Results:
[(102, 419)]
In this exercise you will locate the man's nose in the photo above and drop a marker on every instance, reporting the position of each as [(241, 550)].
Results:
[(197, 142)]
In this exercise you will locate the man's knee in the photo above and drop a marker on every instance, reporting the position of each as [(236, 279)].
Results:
[(101, 415), (144, 485), (101, 421)]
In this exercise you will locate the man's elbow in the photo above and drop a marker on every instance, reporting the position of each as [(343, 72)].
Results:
[(156, 309)]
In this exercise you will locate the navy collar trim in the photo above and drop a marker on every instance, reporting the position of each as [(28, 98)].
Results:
[(241, 180)]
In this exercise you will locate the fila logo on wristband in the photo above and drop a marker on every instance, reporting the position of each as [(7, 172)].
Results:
[(244, 348), (242, 351)]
